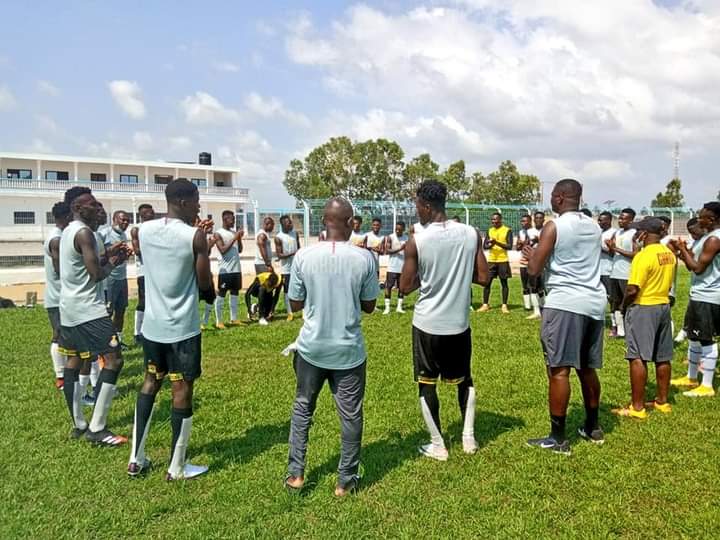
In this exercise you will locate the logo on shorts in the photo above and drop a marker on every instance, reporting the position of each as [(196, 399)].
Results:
[(114, 341)]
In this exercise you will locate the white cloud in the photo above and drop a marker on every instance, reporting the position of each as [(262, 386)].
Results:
[(273, 107), (40, 146), (180, 142), (224, 66), (205, 109), (46, 124), (265, 29), (48, 88), (142, 140), (7, 99), (128, 96)]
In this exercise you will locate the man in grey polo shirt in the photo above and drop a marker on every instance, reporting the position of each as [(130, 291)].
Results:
[(572, 321), (117, 286), (332, 281)]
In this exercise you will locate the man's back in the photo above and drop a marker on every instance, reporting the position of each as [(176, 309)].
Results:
[(446, 260), (653, 270), (332, 278), (573, 270), (171, 288)]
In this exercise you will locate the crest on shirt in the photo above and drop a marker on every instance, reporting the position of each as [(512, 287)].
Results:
[(114, 341)]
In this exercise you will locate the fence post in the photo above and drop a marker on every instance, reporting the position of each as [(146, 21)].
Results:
[(672, 223), (467, 213), (394, 209), (306, 222), (256, 215)]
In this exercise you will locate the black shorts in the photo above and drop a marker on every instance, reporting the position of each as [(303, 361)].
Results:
[(90, 339), (117, 295), (392, 279), (285, 283), (617, 291), (605, 280), (54, 316), (571, 340), (702, 321), (500, 270), (180, 360), (141, 293), (446, 357), (229, 282)]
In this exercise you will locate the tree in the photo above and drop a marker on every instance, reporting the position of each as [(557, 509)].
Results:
[(378, 169), (506, 186), (458, 184), (419, 170), (672, 198), (327, 170)]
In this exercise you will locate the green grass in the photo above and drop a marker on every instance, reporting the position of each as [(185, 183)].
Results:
[(656, 479)]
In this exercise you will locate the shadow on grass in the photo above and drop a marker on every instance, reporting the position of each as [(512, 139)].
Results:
[(489, 426), (252, 443), (576, 419)]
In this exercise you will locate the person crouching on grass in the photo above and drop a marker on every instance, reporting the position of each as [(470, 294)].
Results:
[(648, 330), (266, 288)]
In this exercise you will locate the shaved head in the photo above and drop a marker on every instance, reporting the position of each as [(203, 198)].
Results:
[(566, 196), (572, 189), (337, 217)]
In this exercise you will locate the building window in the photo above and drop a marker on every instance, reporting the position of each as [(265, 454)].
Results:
[(56, 175), (163, 178), (24, 218), (98, 177), (23, 174), (49, 218), (199, 182), (128, 178), (219, 183)]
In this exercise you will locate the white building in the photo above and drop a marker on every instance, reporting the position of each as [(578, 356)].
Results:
[(31, 183)]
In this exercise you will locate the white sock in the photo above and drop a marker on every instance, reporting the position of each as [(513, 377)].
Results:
[(94, 373), (78, 414), (435, 435), (233, 307), (119, 336), (693, 356), (620, 323), (526, 301), (469, 423), (139, 456), (612, 319), (178, 458), (219, 302), (387, 304), (541, 300), (708, 364), (139, 315), (287, 305), (83, 380), (399, 306), (206, 316), (58, 360), (535, 302), (102, 407)]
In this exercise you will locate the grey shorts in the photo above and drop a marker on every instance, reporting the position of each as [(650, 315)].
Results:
[(54, 316), (571, 340), (648, 333), (117, 295)]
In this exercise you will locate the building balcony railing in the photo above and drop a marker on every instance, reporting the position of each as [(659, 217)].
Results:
[(22, 184)]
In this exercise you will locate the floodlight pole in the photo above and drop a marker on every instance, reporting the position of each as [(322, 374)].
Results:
[(306, 221)]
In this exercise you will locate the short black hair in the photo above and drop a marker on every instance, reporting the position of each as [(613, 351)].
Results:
[(61, 210), (75, 192), (145, 206), (628, 211), (284, 217), (268, 217), (713, 206), (586, 211), (606, 213), (526, 216), (401, 223), (117, 212), (227, 213), (536, 212), (434, 193), (570, 186), (665, 219), (455, 218), (496, 214), (357, 218), (377, 219), (692, 222), (180, 189)]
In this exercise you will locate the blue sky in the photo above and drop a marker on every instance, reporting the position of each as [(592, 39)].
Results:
[(595, 90)]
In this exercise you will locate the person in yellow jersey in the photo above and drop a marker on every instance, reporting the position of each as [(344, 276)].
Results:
[(499, 240), (648, 330), (266, 288)]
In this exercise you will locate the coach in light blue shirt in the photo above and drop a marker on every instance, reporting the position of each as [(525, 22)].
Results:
[(333, 281)]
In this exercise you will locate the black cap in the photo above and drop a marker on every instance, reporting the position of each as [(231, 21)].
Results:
[(652, 225)]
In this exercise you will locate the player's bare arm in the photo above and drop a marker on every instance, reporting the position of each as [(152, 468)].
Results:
[(409, 278), (537, 257)]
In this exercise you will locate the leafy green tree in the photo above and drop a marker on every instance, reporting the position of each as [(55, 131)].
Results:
[(378, 170), (672, 198), (327, 170), (417, 171), (506, 186), (457, 182)]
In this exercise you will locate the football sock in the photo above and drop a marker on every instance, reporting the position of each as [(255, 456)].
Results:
[(139, 315), (58, 360), (104, 394), (708, 363), (288, 309), (94, 373), (83, 380), (181, 422), (430, 407), (233, 307), (71, 389), (526, 301), (694, 354), (505, 290), (466, 400), (400, 302), (387, 304), (620, 323), (206, 315), (219, 302), (591, 419), (535, 301), (557, 427), (141, 427)]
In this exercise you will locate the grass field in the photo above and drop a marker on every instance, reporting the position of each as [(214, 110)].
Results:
[(656, 479)]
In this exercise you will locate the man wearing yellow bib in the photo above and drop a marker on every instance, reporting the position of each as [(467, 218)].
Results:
[(499, 240)]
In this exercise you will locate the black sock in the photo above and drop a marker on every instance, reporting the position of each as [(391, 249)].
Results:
[(143, 409), (109, 376), (176, 419), (505, 291), (486, 294), (591, 419), (463, 392), (71, 376), (557, 427), (429, 394)]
